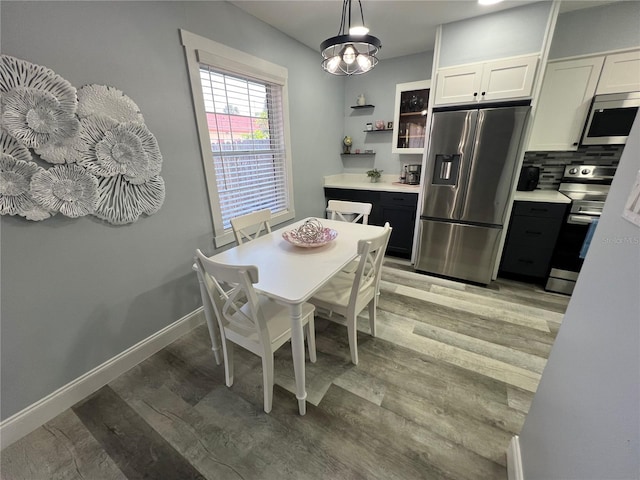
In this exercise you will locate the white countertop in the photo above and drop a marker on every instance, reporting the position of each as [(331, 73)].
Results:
[(360, 181), (550, 196), (389, 183)]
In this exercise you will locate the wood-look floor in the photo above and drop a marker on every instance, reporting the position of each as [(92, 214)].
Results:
[(437, 394)]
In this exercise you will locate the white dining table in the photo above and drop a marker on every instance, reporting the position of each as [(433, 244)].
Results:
[(290, 275)]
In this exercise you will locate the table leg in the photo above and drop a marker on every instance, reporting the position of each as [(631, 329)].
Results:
[(297, 349)]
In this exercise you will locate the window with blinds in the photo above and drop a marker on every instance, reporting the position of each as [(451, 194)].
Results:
[(241, 110), (246, 132)]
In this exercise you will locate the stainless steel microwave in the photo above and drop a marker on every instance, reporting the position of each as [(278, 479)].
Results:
[(610, 118)]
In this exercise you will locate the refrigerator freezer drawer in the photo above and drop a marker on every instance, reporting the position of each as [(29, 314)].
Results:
[(466, 252)]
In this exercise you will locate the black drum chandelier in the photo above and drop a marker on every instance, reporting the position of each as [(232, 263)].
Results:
[(353, 51)]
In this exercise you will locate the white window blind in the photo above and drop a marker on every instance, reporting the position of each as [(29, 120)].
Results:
[(246, 131)]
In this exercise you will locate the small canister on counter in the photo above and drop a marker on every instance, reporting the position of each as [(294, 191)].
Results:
[(403, 174)]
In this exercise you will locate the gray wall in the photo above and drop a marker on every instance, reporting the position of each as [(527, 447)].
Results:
[(75, 293), (598, 29), (379, 88), (583, 422), (507, 33)]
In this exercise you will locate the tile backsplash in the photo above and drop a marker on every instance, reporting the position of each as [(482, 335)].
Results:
[(552, 163)]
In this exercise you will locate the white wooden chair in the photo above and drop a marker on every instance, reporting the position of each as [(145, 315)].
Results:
[(348, 293), (207, 284), (250, 320), (249, 226), (349, 211)]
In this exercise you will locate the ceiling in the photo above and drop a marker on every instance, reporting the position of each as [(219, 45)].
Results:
[(404, 27)]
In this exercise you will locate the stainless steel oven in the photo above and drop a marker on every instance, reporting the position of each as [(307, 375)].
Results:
[(587, 186)]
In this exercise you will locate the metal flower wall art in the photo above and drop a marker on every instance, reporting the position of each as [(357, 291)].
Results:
[(93, 153)]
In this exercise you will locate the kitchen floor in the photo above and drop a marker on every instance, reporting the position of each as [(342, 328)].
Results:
[(437, 395)]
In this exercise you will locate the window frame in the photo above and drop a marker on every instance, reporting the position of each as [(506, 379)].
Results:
[(200, 50)]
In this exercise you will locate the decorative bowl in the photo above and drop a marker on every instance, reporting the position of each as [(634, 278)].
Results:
[(327, 235)]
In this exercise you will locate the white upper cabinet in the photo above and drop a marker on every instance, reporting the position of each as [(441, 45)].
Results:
[(498, 80), (508, 79), (458, 84), (567, 90), (620, 74)]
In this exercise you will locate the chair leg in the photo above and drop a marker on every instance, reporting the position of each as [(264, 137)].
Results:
[(267, 375), (352, 331), (227, 349), (372, 316), (310, 333), (217, 355)]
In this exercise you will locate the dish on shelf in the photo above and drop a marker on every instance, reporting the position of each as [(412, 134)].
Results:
[(295, 238)]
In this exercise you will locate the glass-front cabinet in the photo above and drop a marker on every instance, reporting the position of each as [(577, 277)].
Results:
[(410, 117)]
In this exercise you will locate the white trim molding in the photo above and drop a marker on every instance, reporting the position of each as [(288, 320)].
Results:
[(514, 460), (39, 413)]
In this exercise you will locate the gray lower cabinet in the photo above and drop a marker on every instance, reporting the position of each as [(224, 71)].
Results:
[(531, 238), (399, 209)]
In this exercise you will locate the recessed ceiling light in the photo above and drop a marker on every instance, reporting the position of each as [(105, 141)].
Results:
[(488, 2)]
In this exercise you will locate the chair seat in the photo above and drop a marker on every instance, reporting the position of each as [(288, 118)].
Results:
[(278, 323), (336, 291), (335, 295)]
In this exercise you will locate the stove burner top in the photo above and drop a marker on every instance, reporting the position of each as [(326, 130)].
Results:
[(588, 174), (587, 183)]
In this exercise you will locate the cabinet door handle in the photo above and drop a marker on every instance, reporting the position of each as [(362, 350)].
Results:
[(475, 94), (575, 144), (483, 93), (523, 260)]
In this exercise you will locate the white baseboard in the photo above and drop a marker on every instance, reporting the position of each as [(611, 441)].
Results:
[(39, 413), (514, 460)]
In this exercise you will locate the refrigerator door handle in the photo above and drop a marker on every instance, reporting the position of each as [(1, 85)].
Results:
[(473, 125)]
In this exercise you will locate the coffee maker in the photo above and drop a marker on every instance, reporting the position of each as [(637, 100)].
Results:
[(413, 174)]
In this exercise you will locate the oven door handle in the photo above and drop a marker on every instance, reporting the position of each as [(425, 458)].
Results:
[(580, 219), (586, 211)]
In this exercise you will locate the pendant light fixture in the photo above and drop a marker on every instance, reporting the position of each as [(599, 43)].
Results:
[(353, 51)]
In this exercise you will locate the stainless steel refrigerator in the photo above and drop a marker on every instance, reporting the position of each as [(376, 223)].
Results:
[(470, 170)]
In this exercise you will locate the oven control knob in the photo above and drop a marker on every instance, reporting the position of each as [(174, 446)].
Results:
[(586, 171), (573, 171)]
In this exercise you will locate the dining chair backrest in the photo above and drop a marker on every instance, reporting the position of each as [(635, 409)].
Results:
[(367, 276), (235, 302), (250, 226), (206, 285), (349, 211)]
